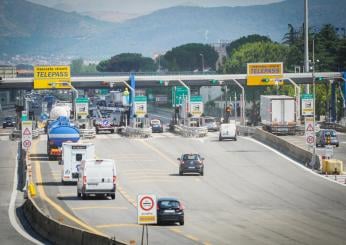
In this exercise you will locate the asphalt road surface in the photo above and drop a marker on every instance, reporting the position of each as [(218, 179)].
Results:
[(249, 194), (8, 153)]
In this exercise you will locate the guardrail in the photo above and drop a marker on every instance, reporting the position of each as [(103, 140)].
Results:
[(190, 131), (137, 132), (17, 134)]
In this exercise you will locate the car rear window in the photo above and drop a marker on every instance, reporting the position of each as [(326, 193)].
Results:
[(190, 157), (169, 204)]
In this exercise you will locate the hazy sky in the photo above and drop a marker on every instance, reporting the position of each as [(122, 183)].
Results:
[(140, 6)]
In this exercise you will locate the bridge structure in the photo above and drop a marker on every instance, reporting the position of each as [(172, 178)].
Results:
[(153, 80)]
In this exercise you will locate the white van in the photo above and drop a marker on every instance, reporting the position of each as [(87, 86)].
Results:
[(72, 155), (228, 131), (97, 177)]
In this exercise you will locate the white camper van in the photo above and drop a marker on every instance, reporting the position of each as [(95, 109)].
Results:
[(72, 155), (228, 131), (97, 177)]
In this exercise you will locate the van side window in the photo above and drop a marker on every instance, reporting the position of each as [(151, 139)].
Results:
[(79, 157)]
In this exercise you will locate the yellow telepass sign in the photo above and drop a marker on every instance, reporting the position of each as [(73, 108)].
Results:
[(46, 77), (264, 74)]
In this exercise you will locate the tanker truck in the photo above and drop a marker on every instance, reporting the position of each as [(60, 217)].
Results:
[(57, 111), (59, 131)]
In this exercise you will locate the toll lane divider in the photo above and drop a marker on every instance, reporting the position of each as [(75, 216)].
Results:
[(59, 233), (295, 152), (186, 131), (137, 132)]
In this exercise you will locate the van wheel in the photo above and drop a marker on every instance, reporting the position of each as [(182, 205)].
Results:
[(202, 173), (84, 196), (220, 138), (113, 196), (180, 173), (182, 222), (235, 138), (78, 194)]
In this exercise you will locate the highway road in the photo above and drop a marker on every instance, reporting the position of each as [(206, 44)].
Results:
[(249, 194), (10, 228)]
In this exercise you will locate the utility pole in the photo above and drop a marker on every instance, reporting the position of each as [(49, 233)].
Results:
[(306, 41)]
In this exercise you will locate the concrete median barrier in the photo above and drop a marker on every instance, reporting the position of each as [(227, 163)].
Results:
[(298, 154), (59, 233)]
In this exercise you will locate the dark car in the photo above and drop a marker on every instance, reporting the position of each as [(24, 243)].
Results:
[(8, 122), (156, 126), (327, 137), (191, 163), (170, 210)]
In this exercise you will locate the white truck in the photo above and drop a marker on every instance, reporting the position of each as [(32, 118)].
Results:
[(72, 156), (278, 114), (97, 177)]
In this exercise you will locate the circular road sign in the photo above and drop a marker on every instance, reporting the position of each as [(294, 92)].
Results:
[(146, 203), (310, 139), (27, 143)]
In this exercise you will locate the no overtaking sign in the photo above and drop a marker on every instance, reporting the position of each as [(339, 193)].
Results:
[(146, 207)]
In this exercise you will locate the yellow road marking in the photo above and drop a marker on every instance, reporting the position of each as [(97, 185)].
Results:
[(174, 163), (191, 237), (180, 232), (99, 207), (116, 225), (42, 194)]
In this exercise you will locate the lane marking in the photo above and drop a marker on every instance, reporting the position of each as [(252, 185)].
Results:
[(42, 194), (180, 232), (174, 163), (99, 207), (117, 226), (12, 209)]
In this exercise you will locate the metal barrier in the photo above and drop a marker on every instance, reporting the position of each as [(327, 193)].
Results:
[(191, 131), (137, 132), (87, 133)]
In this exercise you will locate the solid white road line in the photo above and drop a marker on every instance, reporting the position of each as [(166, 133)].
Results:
[(12, 212), (293, 161)]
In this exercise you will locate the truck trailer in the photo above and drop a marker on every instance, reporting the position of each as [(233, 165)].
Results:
[(278, 114)]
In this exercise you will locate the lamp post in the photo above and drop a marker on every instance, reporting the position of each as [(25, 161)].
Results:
[(202, 62), (314, 103)]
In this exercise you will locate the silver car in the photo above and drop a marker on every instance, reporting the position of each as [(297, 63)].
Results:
[(211, 124)]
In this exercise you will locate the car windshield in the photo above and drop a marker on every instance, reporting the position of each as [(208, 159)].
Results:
[(169, 204), (330, 133), (190, 157)]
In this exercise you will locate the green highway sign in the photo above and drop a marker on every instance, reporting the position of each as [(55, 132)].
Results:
[(306, 96), (178, 93), (82, 100), (196, 98), (140, 98)]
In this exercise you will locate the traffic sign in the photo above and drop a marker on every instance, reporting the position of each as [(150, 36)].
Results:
[(46, 77), (264, 74), (26, 134), (146, 209), (309, 131), (307, 105), (178, 93)]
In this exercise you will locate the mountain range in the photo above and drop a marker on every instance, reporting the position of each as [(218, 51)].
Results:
[(32, 29)]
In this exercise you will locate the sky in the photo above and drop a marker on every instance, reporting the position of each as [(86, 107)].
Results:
[(140, 6)]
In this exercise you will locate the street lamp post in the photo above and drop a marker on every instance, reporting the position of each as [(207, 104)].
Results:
[(202, 62), (314, 104)]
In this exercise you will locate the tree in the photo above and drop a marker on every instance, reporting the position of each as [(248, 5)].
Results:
[(189, 57), (127, 62), (255, 52), (245, 40), (78, 66)]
